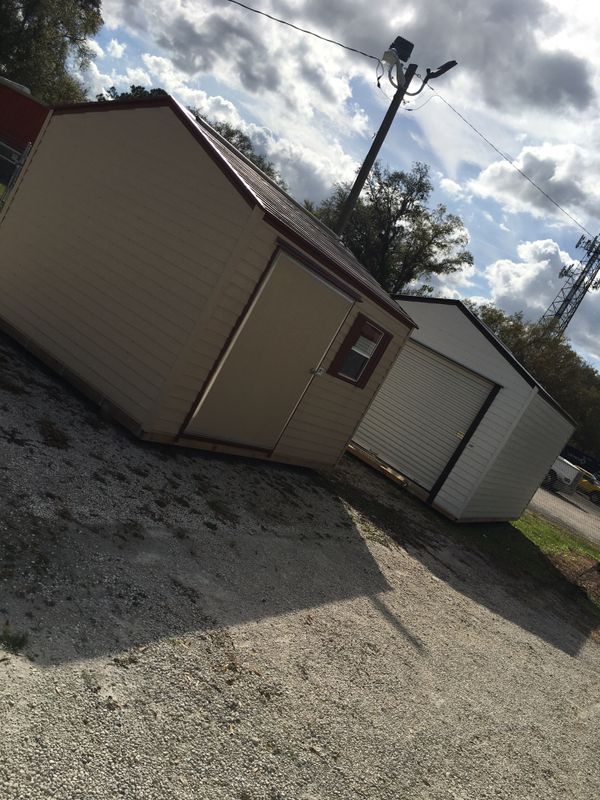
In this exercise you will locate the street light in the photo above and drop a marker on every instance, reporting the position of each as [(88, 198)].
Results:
[(399, 51)]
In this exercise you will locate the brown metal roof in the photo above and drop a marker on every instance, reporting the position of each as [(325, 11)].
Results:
[(282, 212), (295, 221)]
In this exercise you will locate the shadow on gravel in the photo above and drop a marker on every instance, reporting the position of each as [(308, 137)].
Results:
[(82, 591), (107, 543), (493, 564)]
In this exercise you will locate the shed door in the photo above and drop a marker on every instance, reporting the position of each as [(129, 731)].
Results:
[(285, 335), (419, 416)]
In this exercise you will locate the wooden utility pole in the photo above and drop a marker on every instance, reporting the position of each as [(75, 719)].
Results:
[(350, 201)]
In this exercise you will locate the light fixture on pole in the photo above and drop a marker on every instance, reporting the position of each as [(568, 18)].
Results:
[(398, 53)]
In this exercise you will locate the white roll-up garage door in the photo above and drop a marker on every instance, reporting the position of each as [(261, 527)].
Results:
[(421, 412)]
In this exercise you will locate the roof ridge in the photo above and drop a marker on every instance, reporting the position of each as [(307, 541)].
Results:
[(276, 186)]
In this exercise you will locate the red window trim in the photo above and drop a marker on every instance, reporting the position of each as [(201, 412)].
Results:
[(346, 346)]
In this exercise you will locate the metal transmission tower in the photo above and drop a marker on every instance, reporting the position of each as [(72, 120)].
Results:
[(580, 279)]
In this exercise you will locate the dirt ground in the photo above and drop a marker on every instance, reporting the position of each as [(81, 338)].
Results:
[(574, 511), (178, 625)]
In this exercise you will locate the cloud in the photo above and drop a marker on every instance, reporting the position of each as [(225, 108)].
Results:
[(453, 189), (567, 172), (98, 82), (531, 283), (115, 49), (95, 48)]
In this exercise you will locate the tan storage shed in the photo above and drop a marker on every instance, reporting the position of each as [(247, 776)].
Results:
[(161, 272), (472, 431)]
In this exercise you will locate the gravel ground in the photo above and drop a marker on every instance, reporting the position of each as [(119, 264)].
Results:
[(202, 627), (573, 511)]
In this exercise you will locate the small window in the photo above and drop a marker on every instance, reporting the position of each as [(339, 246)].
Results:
[(360, 352)]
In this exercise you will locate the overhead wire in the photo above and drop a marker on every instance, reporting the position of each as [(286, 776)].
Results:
[(436, 93), (303, 30), (510, 161)]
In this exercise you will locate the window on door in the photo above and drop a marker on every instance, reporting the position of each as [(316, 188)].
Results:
[(360, 352)]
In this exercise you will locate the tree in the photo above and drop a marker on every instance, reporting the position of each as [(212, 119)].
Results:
[(39, 39), (393, 233), (242, 142), (570, 380), (134, 93)]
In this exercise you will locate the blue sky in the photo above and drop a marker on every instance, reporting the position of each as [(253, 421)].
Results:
[(528, 78)]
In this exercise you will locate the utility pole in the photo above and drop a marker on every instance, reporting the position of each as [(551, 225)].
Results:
[(399, 51), (579, 281)]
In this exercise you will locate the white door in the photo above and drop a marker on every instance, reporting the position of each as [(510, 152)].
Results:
[(421, 412)]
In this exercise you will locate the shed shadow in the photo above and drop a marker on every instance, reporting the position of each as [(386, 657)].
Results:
[(494, 564), (81, 591)]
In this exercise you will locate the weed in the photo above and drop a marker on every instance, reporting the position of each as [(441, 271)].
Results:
[(52, 435), (12, 641)]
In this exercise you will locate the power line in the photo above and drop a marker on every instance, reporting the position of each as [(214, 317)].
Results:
[(443, 99), (510, 161), (303, 30)]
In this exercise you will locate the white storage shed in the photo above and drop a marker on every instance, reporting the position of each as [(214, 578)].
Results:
[(461, 419)]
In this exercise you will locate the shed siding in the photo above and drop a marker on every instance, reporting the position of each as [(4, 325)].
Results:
[(520, 466), (482, 449), (118, 314), (331, 409), (237, 281), (447, 330), (419, 415)]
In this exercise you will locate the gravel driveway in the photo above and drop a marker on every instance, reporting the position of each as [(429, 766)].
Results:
[(574, 512), (202, 627)]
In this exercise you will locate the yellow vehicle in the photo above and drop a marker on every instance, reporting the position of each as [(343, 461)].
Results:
[(590, 484)]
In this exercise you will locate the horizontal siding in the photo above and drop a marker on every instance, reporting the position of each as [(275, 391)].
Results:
[(482, 449), (519, 468), (331, 409), (205, 345), (110, 273), (445, 329), (419, 415)]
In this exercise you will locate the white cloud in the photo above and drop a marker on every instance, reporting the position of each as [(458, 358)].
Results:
[(531, 283), (95, 48), (567, 172), (115, 49), (98, 82), (452, 188)]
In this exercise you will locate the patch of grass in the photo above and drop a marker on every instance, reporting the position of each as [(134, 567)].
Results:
[(552, 539), (52, 435), (535, 548), (11, 640)]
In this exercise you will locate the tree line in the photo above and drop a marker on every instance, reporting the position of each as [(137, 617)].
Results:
[(395, 232)]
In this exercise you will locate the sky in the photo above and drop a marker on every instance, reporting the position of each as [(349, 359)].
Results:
[(528, 78)]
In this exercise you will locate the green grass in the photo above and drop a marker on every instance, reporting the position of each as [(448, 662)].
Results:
[(552, 539), (527, 549)]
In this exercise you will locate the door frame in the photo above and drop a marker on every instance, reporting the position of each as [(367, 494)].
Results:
[(281, 247)]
